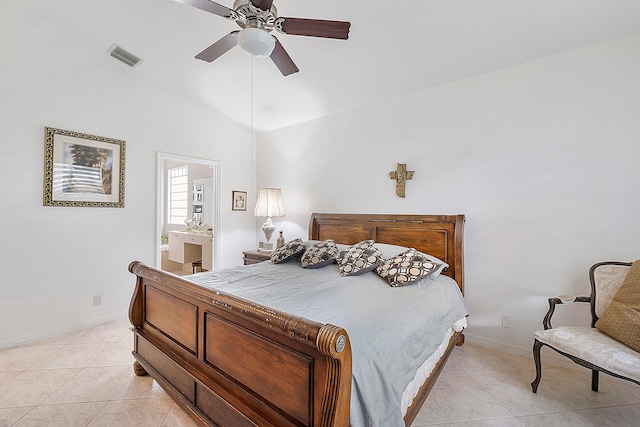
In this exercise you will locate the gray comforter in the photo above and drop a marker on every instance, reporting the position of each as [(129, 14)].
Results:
[(392, 330)]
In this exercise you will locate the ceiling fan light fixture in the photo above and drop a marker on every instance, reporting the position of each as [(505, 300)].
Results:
[(256, 42)]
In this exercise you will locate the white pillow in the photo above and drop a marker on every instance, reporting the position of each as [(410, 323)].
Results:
[(389, 251), (309, 243)]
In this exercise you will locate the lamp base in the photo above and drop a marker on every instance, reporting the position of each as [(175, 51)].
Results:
[(268, 228)]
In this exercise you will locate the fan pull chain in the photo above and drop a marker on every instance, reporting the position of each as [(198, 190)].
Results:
[(251, 145)]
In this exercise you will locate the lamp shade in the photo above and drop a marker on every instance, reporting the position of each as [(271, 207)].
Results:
[(256, 42), (269, 203)]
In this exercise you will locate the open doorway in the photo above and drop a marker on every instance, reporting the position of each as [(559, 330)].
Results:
[(187, 213)]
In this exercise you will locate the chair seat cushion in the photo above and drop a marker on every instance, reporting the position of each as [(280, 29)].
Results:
[(594, 347)]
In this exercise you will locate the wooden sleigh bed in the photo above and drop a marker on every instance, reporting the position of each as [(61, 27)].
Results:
[(231, 362)]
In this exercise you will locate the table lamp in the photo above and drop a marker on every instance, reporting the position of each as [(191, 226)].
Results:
[(269, 204)]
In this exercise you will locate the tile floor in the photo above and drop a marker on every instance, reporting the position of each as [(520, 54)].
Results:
[(85, 378)]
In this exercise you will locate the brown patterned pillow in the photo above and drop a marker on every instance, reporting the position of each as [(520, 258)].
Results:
[(621, 320), (319, 255), (287, 251), (359, 258), (406, 268)]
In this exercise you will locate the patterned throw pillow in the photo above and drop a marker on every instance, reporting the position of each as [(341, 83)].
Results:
[(320, 254), (406, 268), (621, 320), (359, 258), (391, 251), (289, 250)]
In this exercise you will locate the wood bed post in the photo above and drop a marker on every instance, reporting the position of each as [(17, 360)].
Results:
[(135, 306), (459, 244), (336, 405), (136, 315)]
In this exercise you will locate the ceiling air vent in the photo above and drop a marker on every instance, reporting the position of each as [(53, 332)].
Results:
[(122, 55)]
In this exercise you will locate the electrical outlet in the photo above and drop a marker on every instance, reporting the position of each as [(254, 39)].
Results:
[(506, 321), (97, 300)]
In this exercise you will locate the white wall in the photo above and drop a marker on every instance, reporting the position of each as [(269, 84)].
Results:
[(53, 260), (542, 158)]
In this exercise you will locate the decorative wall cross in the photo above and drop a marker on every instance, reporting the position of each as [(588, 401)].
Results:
[(401, 175)]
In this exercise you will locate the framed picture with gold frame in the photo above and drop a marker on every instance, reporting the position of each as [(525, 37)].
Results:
[(83, 170)]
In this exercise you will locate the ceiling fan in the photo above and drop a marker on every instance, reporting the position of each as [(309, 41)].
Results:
[(258, 18)]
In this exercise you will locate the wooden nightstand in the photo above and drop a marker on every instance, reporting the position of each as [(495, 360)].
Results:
[(254, 257)]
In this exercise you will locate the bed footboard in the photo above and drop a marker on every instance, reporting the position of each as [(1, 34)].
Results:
[(232, 362)]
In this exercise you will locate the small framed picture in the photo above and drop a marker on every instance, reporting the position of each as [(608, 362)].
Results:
[(197, 188), (197, 208), (239, 201)]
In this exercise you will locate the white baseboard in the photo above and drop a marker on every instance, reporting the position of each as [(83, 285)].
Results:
[(58, 331), (509, 348)]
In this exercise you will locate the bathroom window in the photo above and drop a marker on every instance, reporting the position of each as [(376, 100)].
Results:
[(178, 194)]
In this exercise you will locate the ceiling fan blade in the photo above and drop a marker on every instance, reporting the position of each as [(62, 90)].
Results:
[(219, 48), (283, 61), (316, 28), (262, 4), (209, 6)]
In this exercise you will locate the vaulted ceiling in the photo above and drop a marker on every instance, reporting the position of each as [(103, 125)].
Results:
[(393, 48)]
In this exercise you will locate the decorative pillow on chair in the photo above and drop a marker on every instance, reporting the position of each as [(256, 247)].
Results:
[(359, 258), (621, 320), (320, 254), (289, 250), (407, 268)]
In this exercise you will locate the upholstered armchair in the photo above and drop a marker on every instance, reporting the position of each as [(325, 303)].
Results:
[(588, 346)]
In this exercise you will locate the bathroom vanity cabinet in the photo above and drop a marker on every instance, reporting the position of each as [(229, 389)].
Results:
[(187, 247)]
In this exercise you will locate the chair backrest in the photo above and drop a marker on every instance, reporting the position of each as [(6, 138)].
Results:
[(606, 278)]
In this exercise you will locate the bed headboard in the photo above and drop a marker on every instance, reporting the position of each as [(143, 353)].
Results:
[(438, 235)]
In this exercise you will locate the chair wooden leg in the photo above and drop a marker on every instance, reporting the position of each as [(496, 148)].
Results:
[(537, 345), (594, 379)]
